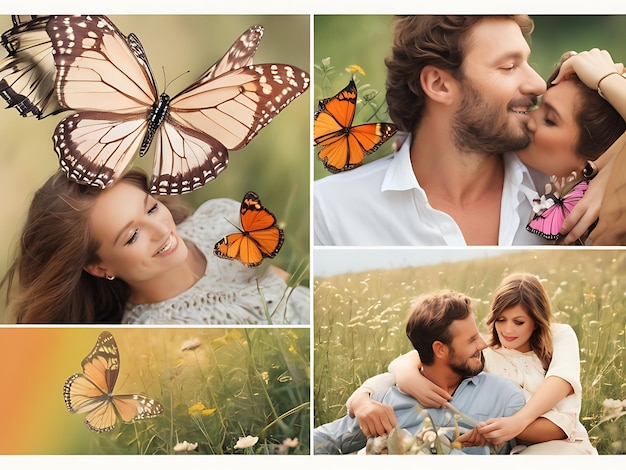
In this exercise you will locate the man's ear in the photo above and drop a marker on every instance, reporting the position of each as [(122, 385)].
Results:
[(96, 269), (437, 84), (440, 350)]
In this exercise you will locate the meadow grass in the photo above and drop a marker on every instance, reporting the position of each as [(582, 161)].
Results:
[(359, 324), (216, 386)]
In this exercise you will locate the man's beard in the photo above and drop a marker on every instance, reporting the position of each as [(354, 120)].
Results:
[(461, 366), (479, 126)]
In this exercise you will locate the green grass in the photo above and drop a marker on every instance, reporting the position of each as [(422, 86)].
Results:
[(360, 319), (235, 383)]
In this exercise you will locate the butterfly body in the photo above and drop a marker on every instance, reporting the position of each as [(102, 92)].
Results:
[(106, 78), (157, 115), (258, 239), (92, 391), (345, 146)]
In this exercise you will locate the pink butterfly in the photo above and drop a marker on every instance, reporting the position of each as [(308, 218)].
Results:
[(551, 210)]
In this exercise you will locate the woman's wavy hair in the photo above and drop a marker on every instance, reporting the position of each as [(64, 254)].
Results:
[(421, 40), (599, 124), (524, 290), (56, 243)]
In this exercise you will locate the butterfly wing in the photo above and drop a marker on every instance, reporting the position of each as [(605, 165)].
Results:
[(185, 159), (92, 391), (27, 74), (259, 239), (106, 77), (94, 148), (240, 54), (234, 106), (548, 224), (344, 146)]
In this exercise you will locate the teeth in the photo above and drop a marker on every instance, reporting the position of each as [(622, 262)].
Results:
[(167, 246)]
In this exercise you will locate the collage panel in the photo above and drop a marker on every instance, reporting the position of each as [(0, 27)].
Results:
[(155, 391), (411, 84), (158, 172), (229, 155), (490, 327)]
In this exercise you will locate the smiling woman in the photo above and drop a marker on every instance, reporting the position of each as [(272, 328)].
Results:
[(148, 245), (104, 256)]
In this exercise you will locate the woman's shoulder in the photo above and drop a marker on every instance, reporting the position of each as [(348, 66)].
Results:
[(216, 207), (561, 329)]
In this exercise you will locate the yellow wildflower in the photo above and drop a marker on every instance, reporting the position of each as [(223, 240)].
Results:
[(355, 69), (197, 408)]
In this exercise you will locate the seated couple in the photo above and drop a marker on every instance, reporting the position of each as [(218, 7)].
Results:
[(527, 400)]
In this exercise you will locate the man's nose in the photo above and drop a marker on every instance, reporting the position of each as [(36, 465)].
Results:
[(533, 83)]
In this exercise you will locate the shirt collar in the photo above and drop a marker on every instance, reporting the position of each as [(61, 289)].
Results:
[(518, 176), (400, 175)]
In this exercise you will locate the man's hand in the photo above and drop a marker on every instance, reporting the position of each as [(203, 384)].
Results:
[(375, 419), (499, 430), (471, 439)]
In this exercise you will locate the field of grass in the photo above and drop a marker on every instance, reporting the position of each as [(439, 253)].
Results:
[(247, 382), (216, 386), (360, 321)]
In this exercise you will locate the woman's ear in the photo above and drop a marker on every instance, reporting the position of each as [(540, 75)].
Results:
[(437, 84), (96, 270)]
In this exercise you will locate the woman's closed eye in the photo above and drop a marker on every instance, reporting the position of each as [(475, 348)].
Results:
[(135, 234), (549, 122)]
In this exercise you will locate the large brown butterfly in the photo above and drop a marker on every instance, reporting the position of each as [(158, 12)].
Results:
[(258, 238), (344, 146), (92, 391), (105, 77)]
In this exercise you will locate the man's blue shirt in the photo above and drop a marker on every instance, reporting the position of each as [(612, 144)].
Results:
[(481, 397)]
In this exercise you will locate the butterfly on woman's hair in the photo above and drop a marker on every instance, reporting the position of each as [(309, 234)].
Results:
[(27, 74), (106, 78), (345, 146), (258, 238), (550, 211), (92, 391)]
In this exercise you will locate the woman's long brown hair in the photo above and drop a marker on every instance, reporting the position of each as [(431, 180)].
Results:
[(56, 243), (525, 290)]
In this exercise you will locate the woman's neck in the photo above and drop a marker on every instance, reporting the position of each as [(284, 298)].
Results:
[(173, 282)]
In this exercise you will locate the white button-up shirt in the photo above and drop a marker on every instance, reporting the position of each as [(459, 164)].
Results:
[(382, 204)]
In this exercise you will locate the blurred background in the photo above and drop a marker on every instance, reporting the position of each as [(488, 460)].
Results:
[(365, 40), (275, 164)]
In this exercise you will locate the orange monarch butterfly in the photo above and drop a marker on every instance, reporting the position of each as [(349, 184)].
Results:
[(259, 237), (345, 146), (27, 73), (106, 78), (92, 391)]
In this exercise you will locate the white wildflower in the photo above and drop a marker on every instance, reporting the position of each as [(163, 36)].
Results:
[(245, 442)]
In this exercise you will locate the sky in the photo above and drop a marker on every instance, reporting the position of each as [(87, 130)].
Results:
[(331, 261)]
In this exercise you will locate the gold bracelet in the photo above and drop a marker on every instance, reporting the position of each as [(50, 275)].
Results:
[(600, 81)]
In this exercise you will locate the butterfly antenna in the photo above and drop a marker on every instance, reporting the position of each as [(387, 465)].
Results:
[(227, 220), (173, 80)]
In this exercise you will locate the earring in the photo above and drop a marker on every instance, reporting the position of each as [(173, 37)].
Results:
[(590, 170), (108, 277)]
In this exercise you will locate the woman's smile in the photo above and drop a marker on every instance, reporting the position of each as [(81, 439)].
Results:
[(170, 246)]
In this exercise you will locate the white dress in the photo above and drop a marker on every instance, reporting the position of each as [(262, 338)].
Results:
[(228, 293), (526, 370)]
